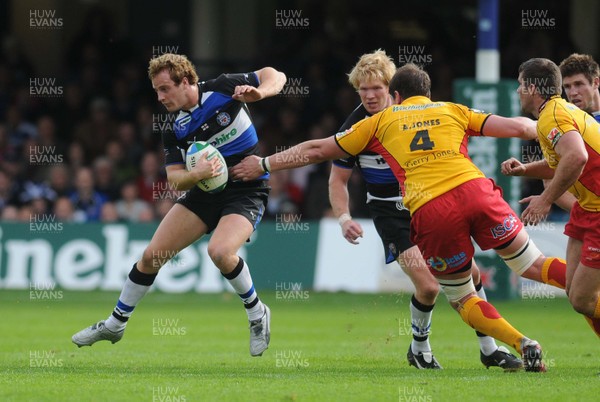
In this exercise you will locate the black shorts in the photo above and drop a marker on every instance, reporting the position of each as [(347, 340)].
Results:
[(246, 199), (392, 221)]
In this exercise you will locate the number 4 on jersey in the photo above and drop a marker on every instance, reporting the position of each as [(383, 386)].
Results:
[(421, 141)]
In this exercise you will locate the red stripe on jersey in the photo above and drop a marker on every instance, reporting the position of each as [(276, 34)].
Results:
[(377, 147), (464, 146), (589, 177), (488, 310)]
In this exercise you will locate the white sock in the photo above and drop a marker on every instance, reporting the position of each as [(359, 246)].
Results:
[(241, 281), (420, 316), (135, 288)]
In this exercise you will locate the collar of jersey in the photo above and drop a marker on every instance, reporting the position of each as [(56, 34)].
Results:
[(414, 100), (543, 105), (190, 110)]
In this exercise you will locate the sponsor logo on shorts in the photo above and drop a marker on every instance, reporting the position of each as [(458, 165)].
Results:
[(437, 263), (440, 264), (504, 229), (593, 254)]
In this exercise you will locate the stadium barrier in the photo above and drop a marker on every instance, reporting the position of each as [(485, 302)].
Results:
[(283, 256)]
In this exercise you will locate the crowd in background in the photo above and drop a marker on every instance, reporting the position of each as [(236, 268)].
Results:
[(91, 152)]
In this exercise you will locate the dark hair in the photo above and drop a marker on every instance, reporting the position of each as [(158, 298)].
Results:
[(410, 80), (543, 74), (580, 64)]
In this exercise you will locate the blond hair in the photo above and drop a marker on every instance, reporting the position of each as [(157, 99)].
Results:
[(371, 67), (178, 66)]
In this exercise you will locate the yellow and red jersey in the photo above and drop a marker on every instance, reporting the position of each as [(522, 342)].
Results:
[(424, 142), (558, 117)]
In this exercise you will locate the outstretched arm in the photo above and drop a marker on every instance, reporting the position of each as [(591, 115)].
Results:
[(536, 170), (305, 153), (506, 127), (271, 83)]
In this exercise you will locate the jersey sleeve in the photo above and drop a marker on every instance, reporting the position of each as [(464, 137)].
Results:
[(346, 163), (552, 125), (173, 154), (226, 83), (357, 138), (357, 115), (476, 119)]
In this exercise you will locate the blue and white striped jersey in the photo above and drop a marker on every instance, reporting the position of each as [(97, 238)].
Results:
[(218, 119)]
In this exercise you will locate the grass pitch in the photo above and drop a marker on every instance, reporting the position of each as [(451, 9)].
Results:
[(324, 347)]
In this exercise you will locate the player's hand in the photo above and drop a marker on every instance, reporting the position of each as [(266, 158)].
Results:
[(206, 168), (512, 167), (248, 169), (247, 93), (352, 231), (536, 211)]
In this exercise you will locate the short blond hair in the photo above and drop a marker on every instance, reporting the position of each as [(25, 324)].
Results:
[(372, 66), (178, 65)]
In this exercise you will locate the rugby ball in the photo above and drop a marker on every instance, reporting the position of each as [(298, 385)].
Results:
[(195, 151)]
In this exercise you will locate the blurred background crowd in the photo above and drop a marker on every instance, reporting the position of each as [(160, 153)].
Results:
[(83, 143)]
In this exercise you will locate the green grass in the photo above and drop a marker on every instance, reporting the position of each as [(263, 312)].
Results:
[(330, 347)]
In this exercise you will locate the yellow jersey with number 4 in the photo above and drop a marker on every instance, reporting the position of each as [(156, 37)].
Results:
[(558, 117), (424, 142)]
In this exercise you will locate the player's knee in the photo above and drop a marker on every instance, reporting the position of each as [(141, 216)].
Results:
[(219, 254), (582, 304), (150, 261), (427, 292)]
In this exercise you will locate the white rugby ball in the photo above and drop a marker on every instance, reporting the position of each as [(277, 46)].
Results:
[(194, 152)]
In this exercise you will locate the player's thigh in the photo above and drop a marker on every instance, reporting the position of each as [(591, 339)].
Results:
[(585, 289), (231, 233), (573, 258), (240, 217), (178, 229), (443, 235)]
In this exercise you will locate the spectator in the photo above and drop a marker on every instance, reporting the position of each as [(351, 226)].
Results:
[(63, 210), (59, 180), (109, 213), (104, 177), (151, 182), (124, 169), (87, 201), (130, 207)]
